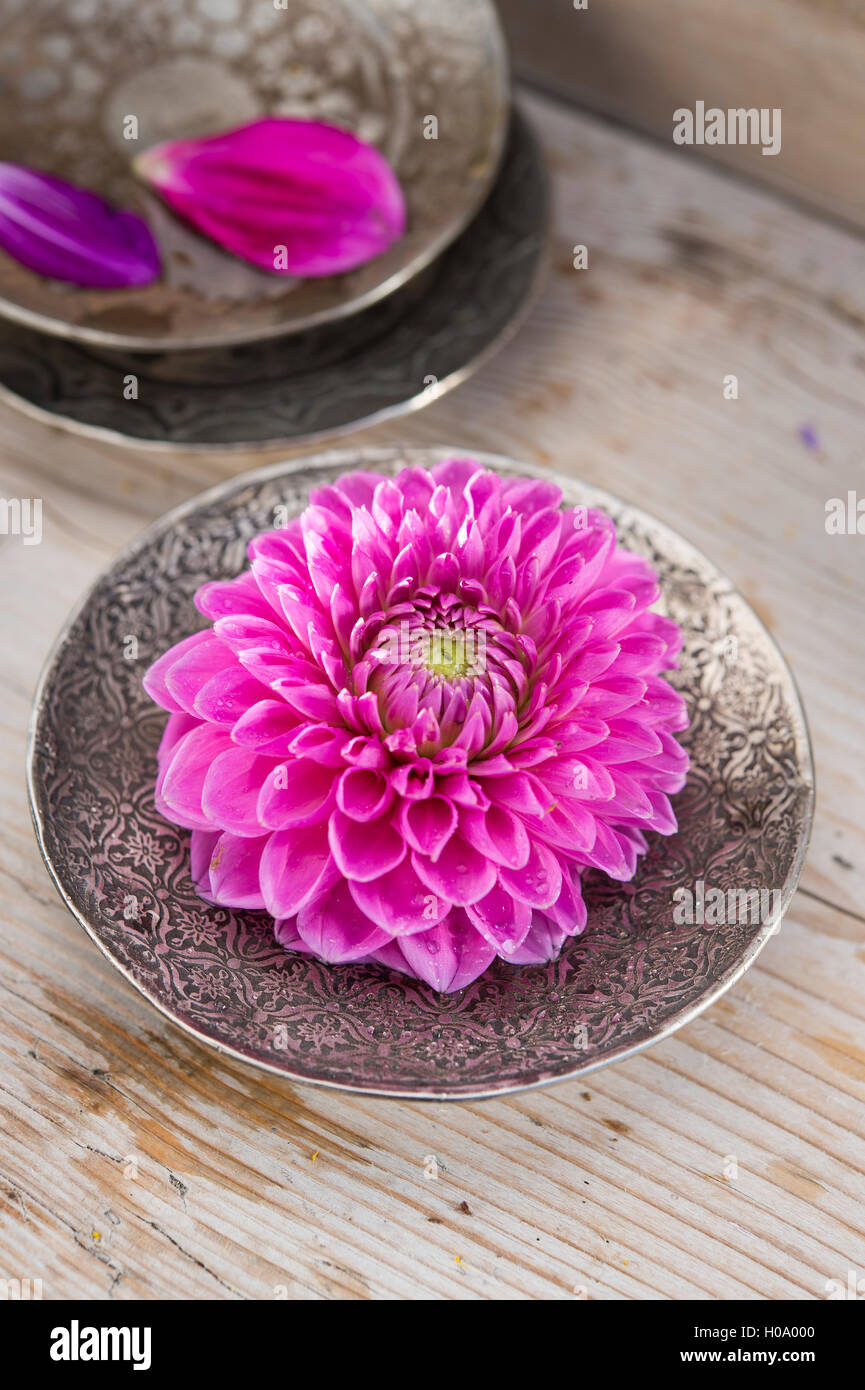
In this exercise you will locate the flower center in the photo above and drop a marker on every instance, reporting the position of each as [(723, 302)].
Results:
[(452, 652)]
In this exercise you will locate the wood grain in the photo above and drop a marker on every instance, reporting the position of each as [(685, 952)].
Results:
[(641, 63), (135, 1163)]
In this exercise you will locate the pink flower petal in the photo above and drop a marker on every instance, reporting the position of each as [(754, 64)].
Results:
[(497, 833), (363, 794), (502, 919), (296, 866), (428, 825), (154, 679), (539, 882), (400, 901), (543, 942), (234, 872), (231, 788), (448, 957), (365, 851), (294, 197), (192, 669), (202, 843), (299, 792), (336, 929), (180, 788), (461, 873), (268, 726)]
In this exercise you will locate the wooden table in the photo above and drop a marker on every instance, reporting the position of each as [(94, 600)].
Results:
[(727, 1161)]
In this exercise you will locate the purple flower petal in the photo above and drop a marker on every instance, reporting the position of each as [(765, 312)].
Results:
[(69, 233)]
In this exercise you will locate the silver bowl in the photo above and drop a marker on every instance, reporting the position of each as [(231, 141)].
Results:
[(634, 975), (71, 73)]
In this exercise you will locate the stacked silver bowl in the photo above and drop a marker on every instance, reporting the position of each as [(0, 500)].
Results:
[(223, 353)]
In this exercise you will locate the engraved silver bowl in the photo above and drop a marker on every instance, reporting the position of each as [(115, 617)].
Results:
[(71, 73), (634, 976)]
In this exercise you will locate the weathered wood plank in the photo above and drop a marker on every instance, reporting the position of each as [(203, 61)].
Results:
[(136, 1163), (803, 57)]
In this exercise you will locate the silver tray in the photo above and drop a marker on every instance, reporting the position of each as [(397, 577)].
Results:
[(634, 976)]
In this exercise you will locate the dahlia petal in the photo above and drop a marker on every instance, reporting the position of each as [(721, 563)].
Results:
[(414, 781), (299, 792), (181, 783), (336, 929), (528, 496), (175, 727), (455, 473), (234, 869), (516, 792), (667, 704), (615, 695), (594, 660), (309, 701), (639, 652), (428, 825), (220, 598), (629, 741), (539, 881), (501, 918), (542, 942), (185, 677), (460, 873), (390, 956), (366, 851), (268, 726), (496, 833), (154, 680), (296, 866), (569, 910), (230, 792), (286, 933), (568, 826), (320, 742), (610, 611), (202, 843), (399, 901), (225, 698), (449, 956), (327, 200), (240, 631), (363, 794), (609, 852), (663, 818), (540, 537), (416, 486)]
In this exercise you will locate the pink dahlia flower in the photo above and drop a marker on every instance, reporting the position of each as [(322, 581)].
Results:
[(431, 702)]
